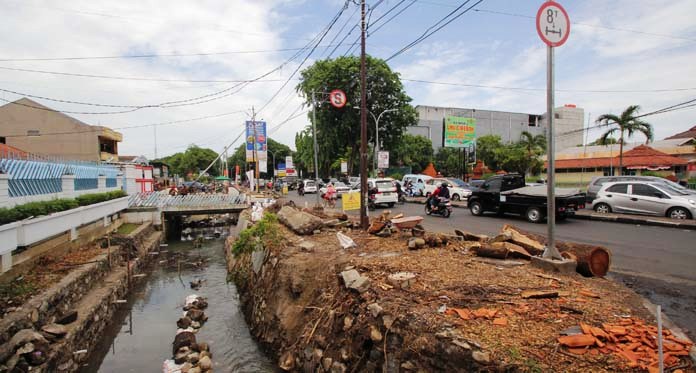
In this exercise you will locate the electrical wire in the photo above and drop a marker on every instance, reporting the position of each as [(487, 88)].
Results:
[(428, 33), (177, 55), (368, 28), (659, 90)]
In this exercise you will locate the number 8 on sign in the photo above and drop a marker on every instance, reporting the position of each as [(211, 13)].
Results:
[(553, 24)]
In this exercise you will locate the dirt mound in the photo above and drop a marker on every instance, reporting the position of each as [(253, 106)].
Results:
[(435, 309)]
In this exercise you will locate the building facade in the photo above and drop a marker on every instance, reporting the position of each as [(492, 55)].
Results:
[(35, 128), (509, 126)]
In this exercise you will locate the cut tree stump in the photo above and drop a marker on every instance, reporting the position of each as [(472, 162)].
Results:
[(592, 260), (492, 251)]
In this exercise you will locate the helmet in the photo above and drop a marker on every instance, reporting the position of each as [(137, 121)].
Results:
[(445, 185)]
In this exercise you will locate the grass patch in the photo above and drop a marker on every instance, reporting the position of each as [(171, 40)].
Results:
[(126, 228), (265, 232)]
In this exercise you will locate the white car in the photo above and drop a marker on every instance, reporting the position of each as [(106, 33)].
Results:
[(456, 193), (382, 192), (310, 186)]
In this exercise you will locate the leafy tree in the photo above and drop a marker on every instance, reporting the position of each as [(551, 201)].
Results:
[(339, 129), (534, 146), (413, 150), (192, 161), (485, 150), (449, 162), (627, 123), (604, 141)]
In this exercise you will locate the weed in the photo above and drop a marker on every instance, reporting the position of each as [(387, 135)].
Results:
[(265, 231)]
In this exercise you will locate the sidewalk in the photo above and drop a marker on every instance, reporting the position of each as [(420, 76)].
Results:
[(636, 219)]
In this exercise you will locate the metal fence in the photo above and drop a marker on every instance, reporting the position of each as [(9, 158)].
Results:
[(32, 175), (193, 201)]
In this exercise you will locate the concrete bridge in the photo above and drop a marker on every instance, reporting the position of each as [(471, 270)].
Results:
[(190, 204)]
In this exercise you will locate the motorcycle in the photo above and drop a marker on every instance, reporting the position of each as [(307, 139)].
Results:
[(300, 191), (443, 207)]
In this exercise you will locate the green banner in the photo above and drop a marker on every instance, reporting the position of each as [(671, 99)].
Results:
[(460, 132)]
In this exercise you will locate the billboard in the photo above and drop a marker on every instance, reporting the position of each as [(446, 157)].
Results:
[(382, 159), (460, 132), (288, 163), (260, 142)]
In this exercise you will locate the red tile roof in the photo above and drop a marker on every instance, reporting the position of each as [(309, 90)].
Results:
[(639, 157), (688, 134)]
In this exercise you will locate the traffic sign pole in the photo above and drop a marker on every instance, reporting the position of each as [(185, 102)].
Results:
[(553, 27)]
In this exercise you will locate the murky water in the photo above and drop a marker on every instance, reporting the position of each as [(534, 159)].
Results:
[(140, 336)]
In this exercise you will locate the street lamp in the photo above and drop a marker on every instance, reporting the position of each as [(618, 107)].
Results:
[(377, 132)]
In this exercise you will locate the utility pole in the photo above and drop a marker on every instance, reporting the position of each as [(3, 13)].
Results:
[(364, 221), (155, 129), (315, 146)]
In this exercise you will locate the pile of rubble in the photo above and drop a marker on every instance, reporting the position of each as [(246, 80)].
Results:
[(189, 355), (419, 301), (28, 348)]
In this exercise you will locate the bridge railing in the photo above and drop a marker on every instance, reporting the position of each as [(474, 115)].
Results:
[(193, 201)]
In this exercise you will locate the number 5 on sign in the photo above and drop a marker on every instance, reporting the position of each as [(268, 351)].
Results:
[(553, 24), (350, 201)]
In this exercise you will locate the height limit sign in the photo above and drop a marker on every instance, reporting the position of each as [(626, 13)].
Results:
[(553, 24)]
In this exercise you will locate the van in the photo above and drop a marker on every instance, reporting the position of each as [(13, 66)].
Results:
[(418, 182)]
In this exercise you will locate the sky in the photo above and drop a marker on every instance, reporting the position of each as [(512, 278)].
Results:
[(619, 53)]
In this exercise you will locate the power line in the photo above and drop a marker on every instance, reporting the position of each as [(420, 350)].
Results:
[(592, 26), (558, 90), (355, 43), (99, 128), (201, 54), (341, 30), (427, 33)]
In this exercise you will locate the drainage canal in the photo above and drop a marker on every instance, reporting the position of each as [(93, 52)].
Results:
[(140, 336)]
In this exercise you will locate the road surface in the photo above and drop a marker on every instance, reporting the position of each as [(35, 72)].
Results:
[(657, 262)]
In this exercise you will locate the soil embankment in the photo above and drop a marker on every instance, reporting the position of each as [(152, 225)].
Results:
[(434, 307)]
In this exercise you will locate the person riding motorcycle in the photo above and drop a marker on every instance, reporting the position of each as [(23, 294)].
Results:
[(441, 191)]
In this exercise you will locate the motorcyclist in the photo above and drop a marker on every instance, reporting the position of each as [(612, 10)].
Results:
[(441, 191)]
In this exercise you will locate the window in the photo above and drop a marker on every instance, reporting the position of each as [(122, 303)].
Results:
[(2, 140), (644, 190), (618, 188), (32, 132), (493, 184)]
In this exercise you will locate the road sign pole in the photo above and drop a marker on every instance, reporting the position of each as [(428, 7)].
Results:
[(551, 251), (364, 220)]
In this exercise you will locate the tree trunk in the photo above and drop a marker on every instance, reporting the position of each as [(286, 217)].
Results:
[(621, 142), (490, 251)]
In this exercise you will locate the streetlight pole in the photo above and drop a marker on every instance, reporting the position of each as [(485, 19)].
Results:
[(364, 220), (377, 133)]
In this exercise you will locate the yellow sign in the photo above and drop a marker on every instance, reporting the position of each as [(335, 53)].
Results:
[(351, 201)]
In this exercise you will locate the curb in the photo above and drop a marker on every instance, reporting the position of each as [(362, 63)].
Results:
[(627, 219)]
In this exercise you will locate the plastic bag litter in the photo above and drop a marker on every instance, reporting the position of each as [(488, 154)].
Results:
[(256, 212), (170, 367), (345, 241)]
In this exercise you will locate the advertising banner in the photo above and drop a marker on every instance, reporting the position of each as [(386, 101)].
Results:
[(344, 167), (459, 132), (260, 142), (382, 159), (281, 170), (288, 163)]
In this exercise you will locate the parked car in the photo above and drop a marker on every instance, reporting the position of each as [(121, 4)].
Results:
[(645, 198), (457, 191), (473, 184), (597, 183), (382, 192), (418, 182), (508, 193), (310, 186), (339, 186)]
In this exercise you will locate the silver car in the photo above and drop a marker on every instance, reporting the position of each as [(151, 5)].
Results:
[(645, 198), (597, 183)]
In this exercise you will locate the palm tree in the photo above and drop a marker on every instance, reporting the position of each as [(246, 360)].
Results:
[(628, 123), (535, 146)]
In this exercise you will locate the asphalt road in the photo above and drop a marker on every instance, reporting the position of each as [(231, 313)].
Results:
[(657, 262)]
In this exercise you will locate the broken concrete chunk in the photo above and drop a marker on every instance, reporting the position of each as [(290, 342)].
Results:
[(481, 357), (298, 221), (403, 280), (68, 318), (416, 243), (306, 246), (375, 309), (353, 280), (375, 334), (25, 336), (55, 329)]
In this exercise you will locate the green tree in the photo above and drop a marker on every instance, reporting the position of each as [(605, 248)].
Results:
[(449, 162), (192, 161), (604, 141), (485, 150), (534, 146), (339, 129), (627, 124), (414, 151)]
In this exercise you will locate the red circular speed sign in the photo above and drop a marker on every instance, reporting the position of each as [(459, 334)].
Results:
[(337, 98), (553, 24)]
